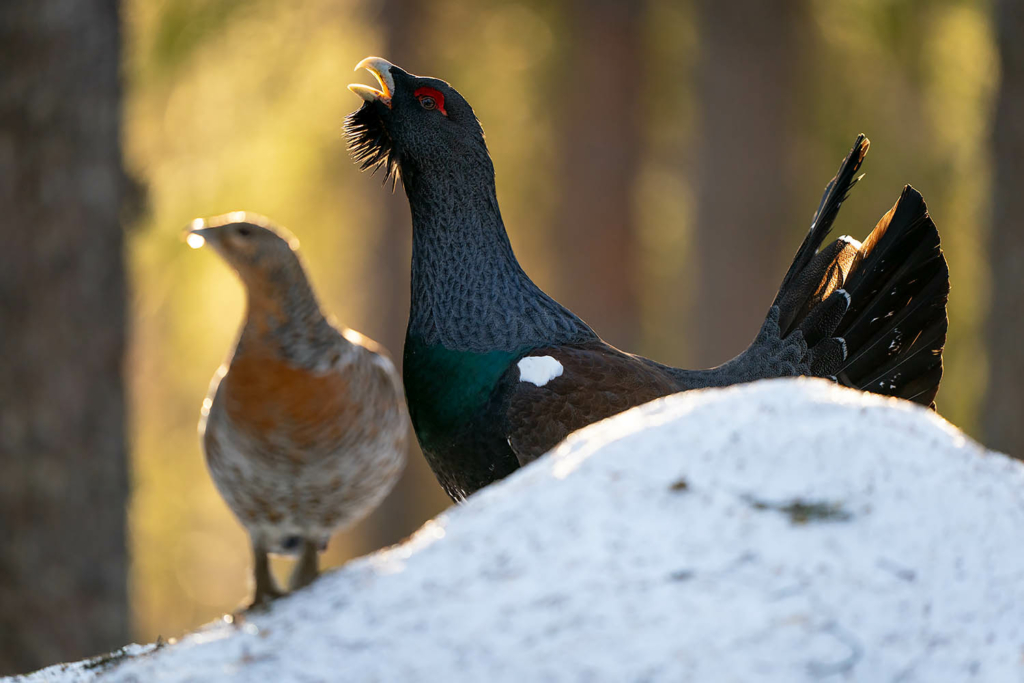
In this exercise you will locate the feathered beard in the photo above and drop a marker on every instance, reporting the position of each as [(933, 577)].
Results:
[(370, 144)]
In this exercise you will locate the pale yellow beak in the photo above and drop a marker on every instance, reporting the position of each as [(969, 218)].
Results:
[(195, 234), (381, 70)]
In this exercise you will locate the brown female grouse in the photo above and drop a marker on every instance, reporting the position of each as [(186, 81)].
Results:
[(305, 426)]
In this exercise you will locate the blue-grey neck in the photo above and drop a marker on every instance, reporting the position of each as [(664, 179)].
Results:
[(469, 292)]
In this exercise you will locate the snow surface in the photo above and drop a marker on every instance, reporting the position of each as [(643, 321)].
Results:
[(783, 531)]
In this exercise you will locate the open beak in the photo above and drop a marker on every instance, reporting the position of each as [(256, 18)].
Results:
[(381, 70), (197, 233)]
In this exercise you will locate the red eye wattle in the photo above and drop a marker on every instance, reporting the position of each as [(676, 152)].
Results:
[(430, 99)]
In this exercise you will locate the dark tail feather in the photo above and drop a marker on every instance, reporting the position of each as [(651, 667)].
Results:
[(802, 283), (894, 286), (873, 315), (895, 327)]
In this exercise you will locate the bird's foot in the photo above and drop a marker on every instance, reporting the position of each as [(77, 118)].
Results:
[(307, 569), (266, 588), (262, 599)]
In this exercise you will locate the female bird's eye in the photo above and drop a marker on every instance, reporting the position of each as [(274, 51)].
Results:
[(244, 231), (430, 99)]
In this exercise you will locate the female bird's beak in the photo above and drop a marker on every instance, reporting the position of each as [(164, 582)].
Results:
[(197, 233), (381, 70)]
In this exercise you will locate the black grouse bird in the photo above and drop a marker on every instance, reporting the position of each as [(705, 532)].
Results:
[(497, 372)]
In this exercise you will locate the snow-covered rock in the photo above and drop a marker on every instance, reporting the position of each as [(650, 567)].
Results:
[(783, 531)]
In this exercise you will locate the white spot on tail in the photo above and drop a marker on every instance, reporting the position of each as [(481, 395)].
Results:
[(539, 370), (849, 240)]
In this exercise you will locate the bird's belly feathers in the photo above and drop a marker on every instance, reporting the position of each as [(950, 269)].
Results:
[(302, 459), (267, 492)]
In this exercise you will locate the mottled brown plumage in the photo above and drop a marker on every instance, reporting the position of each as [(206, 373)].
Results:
[(305, 426)]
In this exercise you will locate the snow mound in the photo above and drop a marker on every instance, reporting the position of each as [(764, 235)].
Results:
[(783, 531)]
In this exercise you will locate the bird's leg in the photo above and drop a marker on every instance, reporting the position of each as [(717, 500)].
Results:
[(307, 569), (266, 588)]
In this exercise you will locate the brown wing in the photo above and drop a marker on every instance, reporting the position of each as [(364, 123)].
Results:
[(556, 390)]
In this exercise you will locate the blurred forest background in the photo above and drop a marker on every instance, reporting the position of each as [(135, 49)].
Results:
[(658, 163)]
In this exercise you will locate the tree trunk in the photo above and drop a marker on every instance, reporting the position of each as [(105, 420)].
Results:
[(63, 483), (594, 231), (748, 88), (1003, 420), (416, 497)]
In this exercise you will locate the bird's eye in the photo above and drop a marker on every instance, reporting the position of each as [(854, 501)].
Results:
[(244, 231), (430, 99)]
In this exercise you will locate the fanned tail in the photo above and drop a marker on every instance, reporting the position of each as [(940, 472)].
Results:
[(873, 315), (800, 282), (895, 327)]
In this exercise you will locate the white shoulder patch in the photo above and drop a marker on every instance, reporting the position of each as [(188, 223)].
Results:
[(539, 370)]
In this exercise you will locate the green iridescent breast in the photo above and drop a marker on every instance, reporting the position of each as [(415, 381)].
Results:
[(446, 389)]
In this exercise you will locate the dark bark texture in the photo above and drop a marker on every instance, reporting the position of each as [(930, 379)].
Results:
[(748, 88), (602, 115), (63, 482), (1003, 415)]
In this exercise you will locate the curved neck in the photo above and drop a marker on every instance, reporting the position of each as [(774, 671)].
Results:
[(283, 317), (469, 292)]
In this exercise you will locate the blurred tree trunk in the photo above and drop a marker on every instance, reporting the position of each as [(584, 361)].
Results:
[(1003, 420), (63, 483), (594, 232), (748, 81), (416, 497)]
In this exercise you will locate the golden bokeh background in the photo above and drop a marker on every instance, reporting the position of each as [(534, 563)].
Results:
[(235, 104)]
